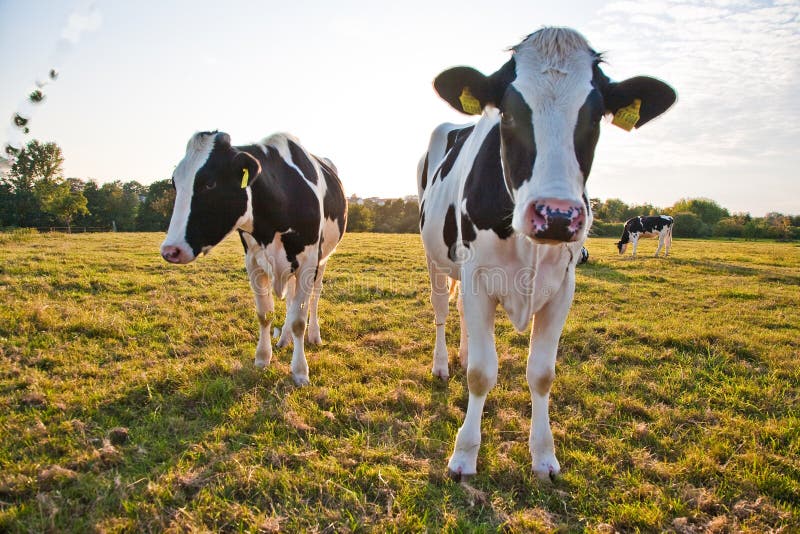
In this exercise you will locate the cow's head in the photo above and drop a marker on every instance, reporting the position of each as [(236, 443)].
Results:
[(621, 246), (551, 95), (212, 196)]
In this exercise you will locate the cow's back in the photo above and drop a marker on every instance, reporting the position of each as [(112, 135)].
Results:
[(442, 174)]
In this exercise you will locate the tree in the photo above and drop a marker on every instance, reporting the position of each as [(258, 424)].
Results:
[(688, 224), (612, 210), (8, 216), (154, 213), (63, 199), (359, 218), (709, 211), (35, 162), (114, 204)]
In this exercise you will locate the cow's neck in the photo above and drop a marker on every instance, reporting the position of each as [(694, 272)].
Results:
[(266, 190)]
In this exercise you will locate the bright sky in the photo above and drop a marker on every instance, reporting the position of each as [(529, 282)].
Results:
[(352, 79)]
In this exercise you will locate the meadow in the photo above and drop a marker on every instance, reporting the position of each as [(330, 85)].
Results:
[(129, 401)]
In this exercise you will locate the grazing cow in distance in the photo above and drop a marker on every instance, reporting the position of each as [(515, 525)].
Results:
[(504, 209), (290, 211), (659, 226), (584, 256)]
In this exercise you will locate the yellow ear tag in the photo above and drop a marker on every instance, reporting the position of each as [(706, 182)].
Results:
[(627, 117), (469, 103), (245, 177)]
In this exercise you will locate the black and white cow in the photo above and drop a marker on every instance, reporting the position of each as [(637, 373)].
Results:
[(504, 210), (659, 226), (290, 211)]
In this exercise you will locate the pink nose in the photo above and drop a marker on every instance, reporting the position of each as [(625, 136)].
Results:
[(173, 254), (554, 219)]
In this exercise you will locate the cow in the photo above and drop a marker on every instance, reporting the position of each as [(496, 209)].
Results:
[(504, 210), (659, 226), (290, 211), (584, 256)]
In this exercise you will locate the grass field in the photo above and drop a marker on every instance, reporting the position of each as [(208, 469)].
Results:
[(129, 401)]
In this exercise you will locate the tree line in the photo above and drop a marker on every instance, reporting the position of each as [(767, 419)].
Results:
[(35, 194)]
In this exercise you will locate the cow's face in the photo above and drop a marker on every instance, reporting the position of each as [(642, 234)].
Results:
[(212, 197), (621, 247), (551, 96)]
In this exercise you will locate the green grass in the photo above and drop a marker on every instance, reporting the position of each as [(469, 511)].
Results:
[(676, 402)]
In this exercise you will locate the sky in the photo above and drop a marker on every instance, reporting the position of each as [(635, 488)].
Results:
[(352, 79)]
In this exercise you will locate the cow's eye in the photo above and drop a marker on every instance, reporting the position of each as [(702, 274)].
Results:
[(211, 184)]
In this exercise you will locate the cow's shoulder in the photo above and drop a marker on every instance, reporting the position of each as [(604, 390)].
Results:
[(284, 201), (486, 204)]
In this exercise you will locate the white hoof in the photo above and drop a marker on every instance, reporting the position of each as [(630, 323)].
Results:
[(441, 373), (300, 380), (261, 361), (314, 337), (463, 464), (546, 467)]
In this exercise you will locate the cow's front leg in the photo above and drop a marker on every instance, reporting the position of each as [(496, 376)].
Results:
[(286, 331), (635, 244), (261, 284), (547, 325), (296, 318), (481, 377), (661, 239), (314, 335)]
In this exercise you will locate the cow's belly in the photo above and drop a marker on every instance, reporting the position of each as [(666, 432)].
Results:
[(330, 238), (438, 198), (272, 260)]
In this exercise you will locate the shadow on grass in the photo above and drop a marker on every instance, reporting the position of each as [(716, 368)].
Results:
[(169, 421), (602, 271), (716, 266)]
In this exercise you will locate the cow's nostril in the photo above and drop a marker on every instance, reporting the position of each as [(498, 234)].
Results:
[(171, 254), (556, 219), (539, 217)]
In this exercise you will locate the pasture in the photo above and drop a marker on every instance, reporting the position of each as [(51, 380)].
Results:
[(129, 401)]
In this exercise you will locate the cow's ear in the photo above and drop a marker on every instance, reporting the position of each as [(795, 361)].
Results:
[(469, 91), (464, 88), (654, 97), (246, 168)]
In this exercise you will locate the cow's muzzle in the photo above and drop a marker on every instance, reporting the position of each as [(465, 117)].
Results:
[(551, 220), (176, 254)]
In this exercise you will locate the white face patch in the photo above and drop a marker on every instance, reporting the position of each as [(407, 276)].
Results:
[(197, 152), (554, 82)]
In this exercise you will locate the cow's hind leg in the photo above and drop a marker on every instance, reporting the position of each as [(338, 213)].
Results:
[(314, 336), (261, 284), (440, 298), (463, 349), (286, 332), (669, 242), (547, 325), (297, 317), (481, 378)]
